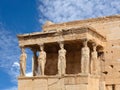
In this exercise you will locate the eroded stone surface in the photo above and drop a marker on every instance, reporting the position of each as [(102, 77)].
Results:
[(105, 32)]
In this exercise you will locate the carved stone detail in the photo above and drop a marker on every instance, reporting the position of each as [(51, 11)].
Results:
[(85, 58), (41, 60), (23, 62), (94, 61), (61, 60)]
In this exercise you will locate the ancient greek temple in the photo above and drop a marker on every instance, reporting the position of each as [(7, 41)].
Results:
[(71, 56)]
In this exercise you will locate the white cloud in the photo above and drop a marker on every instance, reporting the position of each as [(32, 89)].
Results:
[(29, 74), (68, 10), (12, 88), (14, 71), (16, 64), (9, 52)]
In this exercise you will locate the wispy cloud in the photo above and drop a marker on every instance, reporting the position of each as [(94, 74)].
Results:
[(29, 74), (68, 10), (12, 88), (9, 55)]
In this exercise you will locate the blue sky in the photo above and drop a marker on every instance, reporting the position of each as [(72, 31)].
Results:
[(26, 16)]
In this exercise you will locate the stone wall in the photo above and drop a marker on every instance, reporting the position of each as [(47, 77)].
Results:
[(73, 59), (73, 82)]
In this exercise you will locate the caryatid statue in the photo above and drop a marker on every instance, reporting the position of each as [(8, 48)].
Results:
[(41, 59), (23, 58), (35, 63), (61, 59), (94, 60), (85, 58)]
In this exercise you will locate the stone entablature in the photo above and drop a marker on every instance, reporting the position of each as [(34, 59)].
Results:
[(66, 35)]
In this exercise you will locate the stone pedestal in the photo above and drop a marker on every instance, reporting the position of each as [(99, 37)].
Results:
[(67, 82)]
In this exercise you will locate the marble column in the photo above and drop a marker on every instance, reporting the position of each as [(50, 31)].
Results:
[(35, 63), (85, 58), (23, 58), (41, 60), (61, 59)]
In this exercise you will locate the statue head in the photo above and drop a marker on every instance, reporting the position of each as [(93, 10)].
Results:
[(41, 46), (61, 44), (22, 49), (94, 46), (85, 42)]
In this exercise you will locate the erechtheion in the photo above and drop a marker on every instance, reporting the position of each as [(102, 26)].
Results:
[(76, 55)]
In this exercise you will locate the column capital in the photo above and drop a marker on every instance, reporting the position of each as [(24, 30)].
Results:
[(85, 40), (41, 44), (60, 42), (22, 47), (61, 45)]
